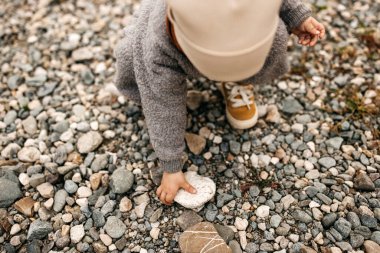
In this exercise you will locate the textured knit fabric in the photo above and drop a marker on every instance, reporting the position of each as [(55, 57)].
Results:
[(151, 71)]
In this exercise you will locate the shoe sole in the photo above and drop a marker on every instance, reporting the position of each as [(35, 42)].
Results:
[(241, 124), (235, 123)]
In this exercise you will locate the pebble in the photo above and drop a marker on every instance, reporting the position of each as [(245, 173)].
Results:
[(291, 105), (59, 200), (194, 99), (82, 54), (312, 174), (46, 190), (100, 162), (88, 142), (196, 143), (30, 125), (187, 219), (115, 227), (10, 150), (29, 154), (262, 211), (335, 142), (25, 206), (302, 216), (76, 233), (122, 180), (327, 162), (363, 182), (241, 224), (225, 232), (125, 204), (273, 116), (70, 186), (154, 233), (287, 201), (235, 147), (275, 220), (329, 219), (343, 227), (9, 192), (371, 247), (84, 192), (39, 229), (235, 246)]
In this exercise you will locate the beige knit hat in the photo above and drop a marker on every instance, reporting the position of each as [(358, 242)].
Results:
[(226, 40)]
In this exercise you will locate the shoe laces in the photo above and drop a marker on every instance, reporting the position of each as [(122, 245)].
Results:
[(243, 91)]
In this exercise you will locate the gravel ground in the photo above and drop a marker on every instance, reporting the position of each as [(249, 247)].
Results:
[(75, 156)]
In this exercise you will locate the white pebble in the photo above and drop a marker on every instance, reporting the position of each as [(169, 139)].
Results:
[(241, 224), (23, 178), (84, 192), (262, 211), (154, 233)]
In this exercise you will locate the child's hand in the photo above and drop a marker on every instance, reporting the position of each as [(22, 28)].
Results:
[(170, 184), (309, 32)]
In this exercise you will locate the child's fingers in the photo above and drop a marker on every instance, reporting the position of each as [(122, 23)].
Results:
[(162, 197), (159, 190), (311, 28), (187, 187), (169, 198), (301, 38), (313, 41), (320, 27), (307, 39), (323, 33)]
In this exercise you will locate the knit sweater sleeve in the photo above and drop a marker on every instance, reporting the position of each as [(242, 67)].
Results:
[(293, 13), (164, 107)]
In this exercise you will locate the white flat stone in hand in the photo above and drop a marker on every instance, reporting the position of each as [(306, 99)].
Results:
[(205, 191)]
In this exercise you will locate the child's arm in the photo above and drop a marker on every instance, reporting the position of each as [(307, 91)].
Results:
[(164, 106), (293, 13), (298, 19)]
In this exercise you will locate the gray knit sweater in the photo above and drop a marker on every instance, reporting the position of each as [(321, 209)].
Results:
[(151, 71)]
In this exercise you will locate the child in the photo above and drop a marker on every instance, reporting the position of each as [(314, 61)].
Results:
[(230, 40)]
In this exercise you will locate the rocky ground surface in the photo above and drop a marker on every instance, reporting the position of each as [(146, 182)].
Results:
[(75, 158)]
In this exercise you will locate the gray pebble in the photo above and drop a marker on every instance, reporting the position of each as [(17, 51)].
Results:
[(329, 219), (71, 187), (235, 147), (353, 218), (39, 229), (235, 246), (98, 218), (115, 227), (99, 163), (335, 142), (343, 227), (122, 180), (356, 240), (10, 117), (327, 162), (291, 105), (368, 221), (211, 212), (252, 247), (9, 192), (254, 191), (225, 232), (376, 237), (59, 200), (302, 216)]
